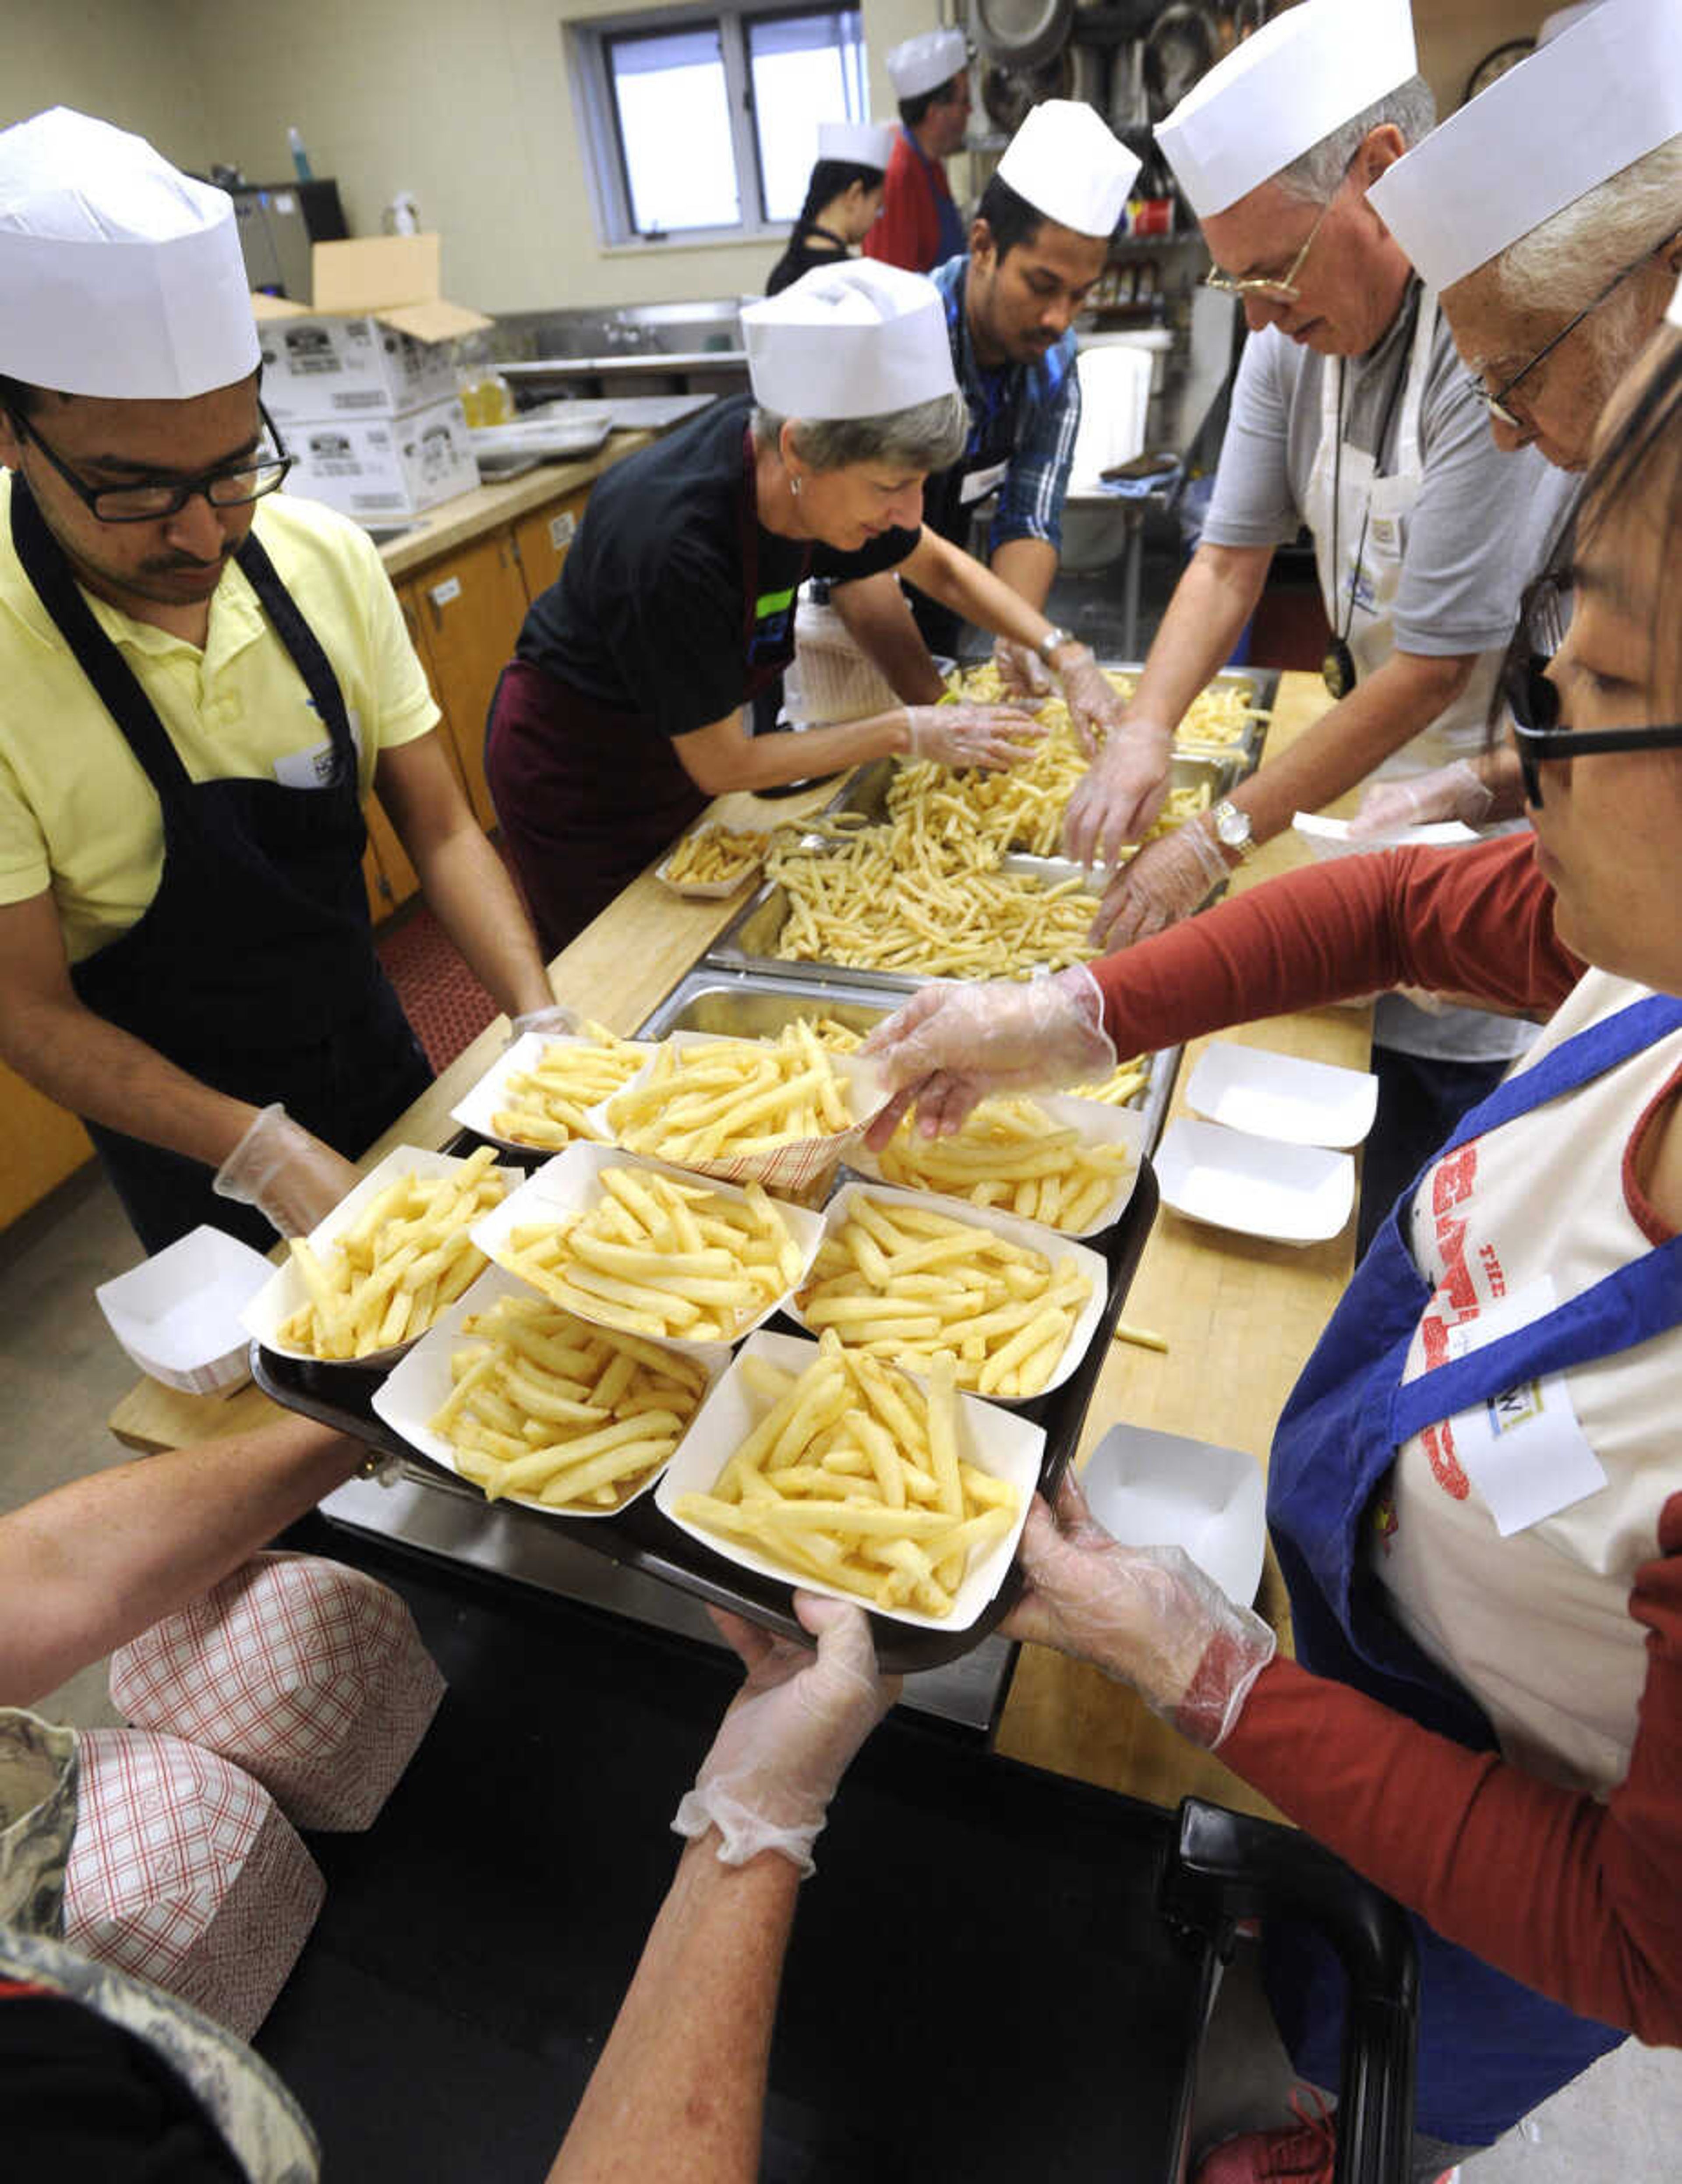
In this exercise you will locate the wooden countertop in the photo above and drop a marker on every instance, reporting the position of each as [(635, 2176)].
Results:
[(1239, 1316), (469, 515)]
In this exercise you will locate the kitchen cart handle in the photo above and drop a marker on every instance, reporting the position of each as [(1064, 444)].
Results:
[(1230, 1866)]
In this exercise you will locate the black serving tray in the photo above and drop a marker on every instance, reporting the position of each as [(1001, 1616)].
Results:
[(641, 1539)]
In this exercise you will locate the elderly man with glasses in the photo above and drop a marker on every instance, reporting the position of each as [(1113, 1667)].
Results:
[(1351, 415), (201, 685)]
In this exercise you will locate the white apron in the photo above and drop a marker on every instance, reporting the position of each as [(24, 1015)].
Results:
[(1370, 572)]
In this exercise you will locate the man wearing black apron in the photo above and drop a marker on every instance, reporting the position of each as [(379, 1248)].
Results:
[(1039, 241), (197, 703)]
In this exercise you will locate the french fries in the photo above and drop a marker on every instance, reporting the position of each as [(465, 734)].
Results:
[(1010, 1154), (893, 899), (545, 1106), (1214, 721), (902, 1283), (856, 1478), (1124, 1084), (730, 1096), (714, 855), (659, 1258), (399, 1266), (545, 1405)]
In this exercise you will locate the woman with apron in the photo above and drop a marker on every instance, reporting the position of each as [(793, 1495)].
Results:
[(1475, 1491), (621, 715), (843, 197)]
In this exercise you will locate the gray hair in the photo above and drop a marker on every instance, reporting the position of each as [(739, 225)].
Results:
[(1317, 176), (929, 435), (1566, 261)]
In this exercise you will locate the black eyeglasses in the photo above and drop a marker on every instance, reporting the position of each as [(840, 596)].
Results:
[(230, 485), (1496, 404), (1544, 615)]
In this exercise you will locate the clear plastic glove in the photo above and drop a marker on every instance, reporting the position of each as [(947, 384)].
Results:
[(290, 1177), (783, 1746), (951, 1046), (557, 1020), (1021, 669), (1164, 883), (1119, 795), (1145, 1616), (990, 736), (1096, 707), (1450, 792)]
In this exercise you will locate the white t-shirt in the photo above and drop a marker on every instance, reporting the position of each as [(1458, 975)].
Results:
[(1536, 1625)]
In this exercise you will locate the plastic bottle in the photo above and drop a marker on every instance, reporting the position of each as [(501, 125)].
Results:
[(300, 158)]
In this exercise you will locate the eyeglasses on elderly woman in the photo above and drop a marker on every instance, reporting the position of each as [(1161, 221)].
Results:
[(1544, 614)]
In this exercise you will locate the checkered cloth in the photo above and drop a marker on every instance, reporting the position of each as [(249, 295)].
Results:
[(310, 1676), (183, 1871)]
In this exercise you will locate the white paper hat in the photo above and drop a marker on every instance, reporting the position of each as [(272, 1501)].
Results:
[(1674, 315), (1603, 92), (1273, 97), (118, 275), (860, 143), (856, 340), (1069, 166), (925, 62)]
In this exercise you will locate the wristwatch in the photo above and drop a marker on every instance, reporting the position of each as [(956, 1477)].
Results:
[(1232, 830), (1053, 637)]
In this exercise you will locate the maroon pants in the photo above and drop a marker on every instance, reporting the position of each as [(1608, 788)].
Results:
[(585, 797)]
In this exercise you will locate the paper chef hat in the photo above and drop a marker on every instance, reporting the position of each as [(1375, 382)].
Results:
[(1066, 164), (118, 275), (860, 143), (1674, 315), (1607, 90), (1273, 97), (857, 340), (925, 62)]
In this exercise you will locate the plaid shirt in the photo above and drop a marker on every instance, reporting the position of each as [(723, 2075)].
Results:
[(1034, 407)]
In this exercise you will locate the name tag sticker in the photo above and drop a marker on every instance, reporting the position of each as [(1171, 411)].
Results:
[(978, 483), (312, 768), (1523, 1450)]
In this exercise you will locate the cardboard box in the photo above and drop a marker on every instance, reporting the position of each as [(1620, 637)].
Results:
[(374, 339), (315, 368), (376, 468)]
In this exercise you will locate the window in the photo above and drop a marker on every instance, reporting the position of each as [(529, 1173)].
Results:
[(703, 124)]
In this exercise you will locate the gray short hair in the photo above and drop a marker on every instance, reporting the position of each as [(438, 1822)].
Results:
[(1565, 262), (1317, 176), (929, 435)]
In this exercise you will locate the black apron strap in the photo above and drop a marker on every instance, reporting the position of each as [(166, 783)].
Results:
[(304, 651)]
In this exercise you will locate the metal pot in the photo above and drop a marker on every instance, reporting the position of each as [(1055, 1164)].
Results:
[(1020, 34)]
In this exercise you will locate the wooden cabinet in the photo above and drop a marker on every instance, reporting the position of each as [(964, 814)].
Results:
[(465, 613), (544, 539), (387, 873), (40, 1144)]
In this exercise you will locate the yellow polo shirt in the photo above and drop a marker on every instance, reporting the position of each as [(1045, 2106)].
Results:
[(77, 814)]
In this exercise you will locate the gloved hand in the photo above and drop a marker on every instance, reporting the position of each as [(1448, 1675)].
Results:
[(1021, 669), (1450, 792), (791, 1730), (1118, 798), (1145, 1616), (290, 1177), (557, 1020), (951, 1044), (1164, 883), (1096, 707), (990, 736)]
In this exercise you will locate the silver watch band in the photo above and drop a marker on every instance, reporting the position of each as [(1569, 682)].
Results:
[(1053, 637)]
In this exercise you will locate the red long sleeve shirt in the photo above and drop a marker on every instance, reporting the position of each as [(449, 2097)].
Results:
[(907, 230), (1579, 1898)]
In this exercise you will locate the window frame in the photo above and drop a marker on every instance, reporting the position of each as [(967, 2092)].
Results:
[(586, 44)]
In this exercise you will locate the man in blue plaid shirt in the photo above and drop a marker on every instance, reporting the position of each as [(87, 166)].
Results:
[(1039, 240)]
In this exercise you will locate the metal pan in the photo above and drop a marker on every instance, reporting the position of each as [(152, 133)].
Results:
[(743, 1006), (865, 794), (639, 1538)]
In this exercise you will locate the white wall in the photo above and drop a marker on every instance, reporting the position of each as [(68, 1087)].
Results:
[(467, 102), (122, 59)]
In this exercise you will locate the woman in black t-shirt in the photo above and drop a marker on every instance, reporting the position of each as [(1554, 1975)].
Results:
[(843, 199), (621, 715)]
